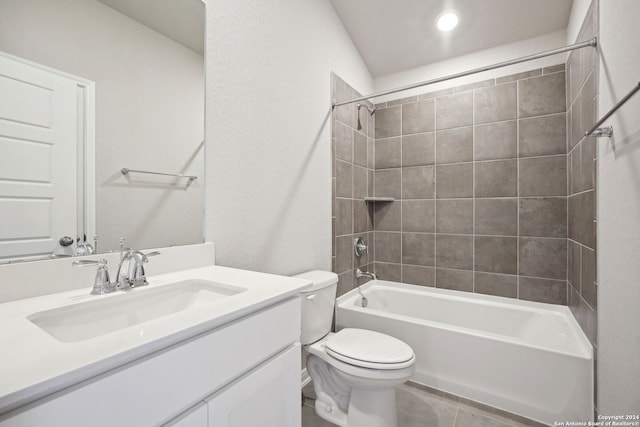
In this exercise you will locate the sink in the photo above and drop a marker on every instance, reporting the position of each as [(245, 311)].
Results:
[(82, 321)]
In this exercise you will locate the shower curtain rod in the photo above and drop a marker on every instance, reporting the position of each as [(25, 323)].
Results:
[(589, 43)]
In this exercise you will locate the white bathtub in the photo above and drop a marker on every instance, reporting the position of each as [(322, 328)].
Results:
[(528, 358)]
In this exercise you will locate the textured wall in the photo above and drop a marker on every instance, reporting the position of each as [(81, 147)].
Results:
[(478, 174), (352, 159), (268, 198), (618, 203), (582, 90)]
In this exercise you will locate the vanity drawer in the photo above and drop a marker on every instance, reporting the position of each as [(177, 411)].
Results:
[(155, 389)]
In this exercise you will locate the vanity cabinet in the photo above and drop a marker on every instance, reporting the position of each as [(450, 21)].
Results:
[(243, 373)]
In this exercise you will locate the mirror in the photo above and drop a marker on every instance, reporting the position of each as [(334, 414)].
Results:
[(118, 84)]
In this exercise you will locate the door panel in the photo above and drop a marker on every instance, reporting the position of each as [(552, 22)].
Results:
[(38, 159)]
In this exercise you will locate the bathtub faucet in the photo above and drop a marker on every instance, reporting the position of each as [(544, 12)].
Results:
[(359, 273)]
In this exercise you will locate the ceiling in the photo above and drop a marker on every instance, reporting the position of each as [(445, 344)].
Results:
[(396, 35), (181, 21)]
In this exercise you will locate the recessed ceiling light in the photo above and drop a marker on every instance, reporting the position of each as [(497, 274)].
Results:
[(447, 20)]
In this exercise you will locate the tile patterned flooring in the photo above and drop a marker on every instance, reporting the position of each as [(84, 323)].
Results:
[(420, 406)]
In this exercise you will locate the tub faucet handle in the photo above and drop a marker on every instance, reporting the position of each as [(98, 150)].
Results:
[(359, 247)]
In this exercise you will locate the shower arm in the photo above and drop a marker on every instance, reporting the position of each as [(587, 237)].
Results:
[(589, 43)]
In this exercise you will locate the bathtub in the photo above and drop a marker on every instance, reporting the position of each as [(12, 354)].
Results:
[(527, 358)]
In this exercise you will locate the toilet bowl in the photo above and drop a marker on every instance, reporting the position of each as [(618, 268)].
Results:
[(354, 371)]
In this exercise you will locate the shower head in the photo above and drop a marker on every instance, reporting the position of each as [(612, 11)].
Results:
[(372, 109)]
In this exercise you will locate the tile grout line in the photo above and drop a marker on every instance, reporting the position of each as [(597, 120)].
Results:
[(518, 191)]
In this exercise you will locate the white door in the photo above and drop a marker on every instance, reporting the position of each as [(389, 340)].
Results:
[(266, 397), (38, 160)]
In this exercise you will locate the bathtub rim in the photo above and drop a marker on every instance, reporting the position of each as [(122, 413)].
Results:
[(585, 350)]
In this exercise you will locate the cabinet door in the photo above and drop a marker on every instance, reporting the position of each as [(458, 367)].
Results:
[(194, 417), (268, 396)]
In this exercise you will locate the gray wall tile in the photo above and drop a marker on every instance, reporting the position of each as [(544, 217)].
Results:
[(418, 215), (388, 246), (574, 264), (359, 149), (360, 189), (497, 178), (418, 149), (344, 254), (520, 76), (454, 251), (418, 182), (581, 209), (401, 101), (388, 153), (418, 249), (475, 85), (496, 217), (458, 280), (496, 254), (543, 176), (418, 117), (388, 271), (418, 275), (454, 216), (344, 179), (543, 217), (388, 122), (362, 217), (344, 217), (542, 136), (588, 273), (454, 110), (388, 216), (495, 104), (387, 183), (543, 257), (454, 145), (496, 284), (574, 122), (344, 141), (496, 141), (543, 290), (542, 95), (455, 181)]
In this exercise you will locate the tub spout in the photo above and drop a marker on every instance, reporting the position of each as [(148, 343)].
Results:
[(359, 273)]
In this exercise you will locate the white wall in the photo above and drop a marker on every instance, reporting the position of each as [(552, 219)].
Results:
[(149, 112), (474, 60), (268, 201), (579, 9), (619, 213)]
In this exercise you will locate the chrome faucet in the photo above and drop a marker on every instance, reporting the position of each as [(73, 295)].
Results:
[(131, 272), (359, 274), (101, 284)]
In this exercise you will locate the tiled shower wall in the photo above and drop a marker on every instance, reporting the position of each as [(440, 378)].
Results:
[(582, 91), (352, 171), (479, 178)]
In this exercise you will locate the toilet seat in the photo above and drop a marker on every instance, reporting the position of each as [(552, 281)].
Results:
[(369, 349)]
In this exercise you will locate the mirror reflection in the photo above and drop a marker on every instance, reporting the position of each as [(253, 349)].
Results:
[(88, 88)]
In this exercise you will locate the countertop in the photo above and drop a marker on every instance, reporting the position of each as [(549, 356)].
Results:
[(34, 364)]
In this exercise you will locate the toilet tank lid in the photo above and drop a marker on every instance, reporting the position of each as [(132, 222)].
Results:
[(321, 279)]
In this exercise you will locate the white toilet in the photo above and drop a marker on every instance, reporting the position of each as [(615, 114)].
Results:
[(354, 371)]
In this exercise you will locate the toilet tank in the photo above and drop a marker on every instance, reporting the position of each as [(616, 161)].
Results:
[(318, 302)]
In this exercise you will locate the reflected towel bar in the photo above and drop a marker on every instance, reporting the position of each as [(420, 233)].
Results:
[(125, 171), (608, 131)]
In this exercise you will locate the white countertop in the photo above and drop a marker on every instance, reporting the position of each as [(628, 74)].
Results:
[(33, 364)]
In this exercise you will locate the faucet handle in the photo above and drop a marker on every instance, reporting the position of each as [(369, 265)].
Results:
[(102, 283), (139, 276)]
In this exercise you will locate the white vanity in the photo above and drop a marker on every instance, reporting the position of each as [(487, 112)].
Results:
[(209, 346)]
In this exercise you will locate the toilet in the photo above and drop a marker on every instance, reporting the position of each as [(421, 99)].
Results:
[(354, 371)]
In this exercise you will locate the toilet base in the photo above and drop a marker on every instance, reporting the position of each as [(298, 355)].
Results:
[(367, 408)]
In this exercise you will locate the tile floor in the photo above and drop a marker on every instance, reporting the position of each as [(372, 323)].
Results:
[(420, 406)]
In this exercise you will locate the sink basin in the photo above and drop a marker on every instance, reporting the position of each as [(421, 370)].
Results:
[(91, 319)]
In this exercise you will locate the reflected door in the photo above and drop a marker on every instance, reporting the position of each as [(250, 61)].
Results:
[(38, 160)]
